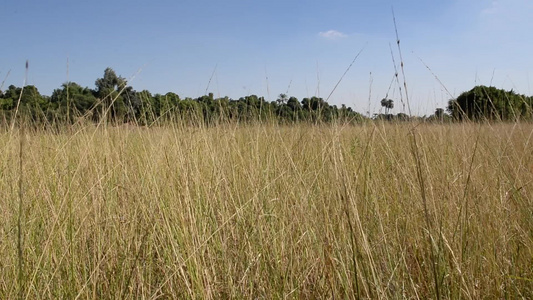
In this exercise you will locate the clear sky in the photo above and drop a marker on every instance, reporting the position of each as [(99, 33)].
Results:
[(301, 48)]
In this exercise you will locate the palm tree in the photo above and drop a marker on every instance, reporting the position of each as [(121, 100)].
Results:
[(388, 104), (282, 99)]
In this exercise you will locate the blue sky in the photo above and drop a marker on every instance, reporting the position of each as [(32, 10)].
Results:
[(272, 47)]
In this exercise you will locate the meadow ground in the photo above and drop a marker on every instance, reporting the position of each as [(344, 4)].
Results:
[(264, 211)]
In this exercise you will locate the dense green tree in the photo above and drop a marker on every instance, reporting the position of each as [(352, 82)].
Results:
[(9, 98), (314, 103), (110, 82), (146, 114), (132, 101), (72, 100), (490, 103), (117, 101), (294, 104), (32, 103), (439, 113)]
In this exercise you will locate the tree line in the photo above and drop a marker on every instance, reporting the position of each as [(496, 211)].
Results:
[(117, 102), (113, 100)]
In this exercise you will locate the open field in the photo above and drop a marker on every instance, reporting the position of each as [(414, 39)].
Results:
[(371, 211)]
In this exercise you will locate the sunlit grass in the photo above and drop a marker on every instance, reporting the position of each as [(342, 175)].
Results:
[(269, 211)]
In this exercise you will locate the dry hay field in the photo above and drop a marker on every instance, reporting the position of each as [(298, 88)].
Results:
[(374, 211)]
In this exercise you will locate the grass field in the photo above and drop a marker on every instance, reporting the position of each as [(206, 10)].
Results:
[(265, 211)]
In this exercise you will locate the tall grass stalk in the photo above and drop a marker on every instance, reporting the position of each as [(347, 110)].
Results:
[(434, 247), (20, 241), (20, 245)]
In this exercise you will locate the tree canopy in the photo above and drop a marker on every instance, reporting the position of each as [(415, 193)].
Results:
[(490, 103), (116, 101)]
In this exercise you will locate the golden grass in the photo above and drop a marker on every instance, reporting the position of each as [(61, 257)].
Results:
[(269, 212)]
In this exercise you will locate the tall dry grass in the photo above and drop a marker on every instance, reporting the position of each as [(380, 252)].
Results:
[(269, 211)]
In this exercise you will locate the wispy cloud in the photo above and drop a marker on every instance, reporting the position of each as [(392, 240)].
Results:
[(332, 34)]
